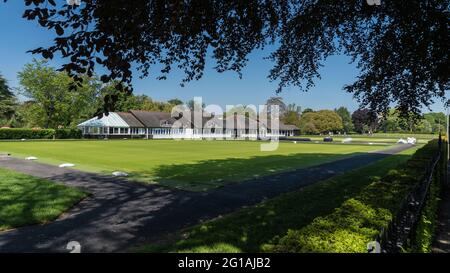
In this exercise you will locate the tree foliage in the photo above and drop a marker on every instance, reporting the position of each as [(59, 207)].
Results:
[(322, 121), (5, 91), (400, 47), (8, 104), (346, 119), (365, 121), (51, 103)]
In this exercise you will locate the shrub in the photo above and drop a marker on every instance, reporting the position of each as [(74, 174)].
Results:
[(68, 134), (359, 220), (22, 133), (19, 133)]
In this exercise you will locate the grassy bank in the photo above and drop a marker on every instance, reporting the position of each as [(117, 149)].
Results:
[(359, 219), (256, 228), (25, 200)]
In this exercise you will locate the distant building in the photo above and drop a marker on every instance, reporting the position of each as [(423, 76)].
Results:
[(160, 125)]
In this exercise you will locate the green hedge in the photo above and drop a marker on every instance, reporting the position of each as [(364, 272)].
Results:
[(359, 220), (21, 133), (68, 134)]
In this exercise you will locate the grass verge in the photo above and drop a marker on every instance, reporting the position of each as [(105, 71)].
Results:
[(255, 228), (26, 200), (359, 220)]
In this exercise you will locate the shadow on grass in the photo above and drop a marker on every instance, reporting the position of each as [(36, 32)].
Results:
[(208, 174), (254, 228), (25, 200)]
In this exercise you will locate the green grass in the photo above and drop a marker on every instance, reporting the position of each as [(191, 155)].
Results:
[(361, 218), (25, 200), (376, 138), (254, 228), (189, 165)]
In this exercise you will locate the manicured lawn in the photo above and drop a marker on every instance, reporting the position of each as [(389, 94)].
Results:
[(190, 165), (25, 200), (377, 138), (253, 228)]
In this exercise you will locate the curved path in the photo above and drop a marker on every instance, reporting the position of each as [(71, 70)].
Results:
[(121, 214)]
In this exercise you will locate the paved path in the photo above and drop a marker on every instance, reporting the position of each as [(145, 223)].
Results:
[(120, 214), (442, 241)]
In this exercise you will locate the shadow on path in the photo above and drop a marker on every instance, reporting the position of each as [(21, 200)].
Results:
[(120, 214)]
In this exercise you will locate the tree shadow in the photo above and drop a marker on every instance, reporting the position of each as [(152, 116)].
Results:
[(209, 174), (254, 228), (26, 200)]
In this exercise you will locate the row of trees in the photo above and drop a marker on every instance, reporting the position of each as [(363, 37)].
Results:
[(49, 103), (341, 120)]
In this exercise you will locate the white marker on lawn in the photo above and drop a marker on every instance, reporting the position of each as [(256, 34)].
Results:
[(31, 158), (119, 174), (65, 165)]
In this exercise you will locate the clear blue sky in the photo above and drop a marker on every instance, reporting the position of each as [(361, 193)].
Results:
[(19, 35)]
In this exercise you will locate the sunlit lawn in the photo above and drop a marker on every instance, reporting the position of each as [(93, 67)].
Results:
[(25, 200), (376, 138), (190, 165), (253, 228)]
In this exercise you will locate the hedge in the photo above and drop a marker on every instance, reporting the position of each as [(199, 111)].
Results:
[(68, 134), (22, 133), (359, 220)]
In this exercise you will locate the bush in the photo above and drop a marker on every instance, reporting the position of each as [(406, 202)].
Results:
[(19, 133), (359, 220), (68, 134), (22, 133)]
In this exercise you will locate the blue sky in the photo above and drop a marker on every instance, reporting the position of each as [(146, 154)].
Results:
[(19, 35)]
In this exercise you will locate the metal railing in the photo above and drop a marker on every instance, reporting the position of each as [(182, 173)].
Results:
[(402, 229)]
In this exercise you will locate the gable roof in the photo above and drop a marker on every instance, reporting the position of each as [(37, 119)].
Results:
[(232, 122), (281, 125), (151, 119), (148, 119), (130, 119)]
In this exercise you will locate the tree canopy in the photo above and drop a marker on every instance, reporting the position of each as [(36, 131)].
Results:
[(365, 121), (346, 119), (5, 92), (400, 47), (8, 103), (322, 121)]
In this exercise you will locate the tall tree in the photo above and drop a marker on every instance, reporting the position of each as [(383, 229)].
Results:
[(292, 115), (53, 104), (175, 102), (5, 92), (307, 110), (322, 121), (437, 121), (365, 120), (8, 103), (346, 119), (401, 47)]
